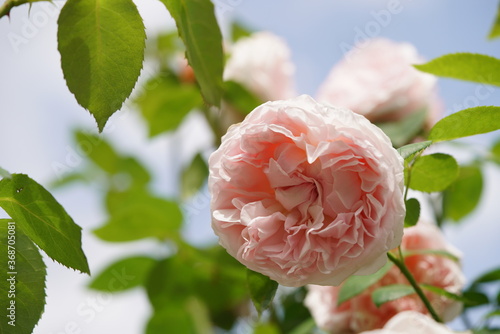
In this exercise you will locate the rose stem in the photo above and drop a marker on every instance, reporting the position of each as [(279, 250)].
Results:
[(414, 284)]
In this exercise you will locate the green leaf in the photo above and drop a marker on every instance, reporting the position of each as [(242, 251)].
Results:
[(495, 151), (266, 328), (262, 290), (102, 49), (412, 212), (194, 176), (105, 157), (495, 29), (43, 220), (486, 331), (67, 179), (239, 31), (355, 285), (295, 313), (409, 150), (305, 327), (239, 97), (136, 214), (124, 274), (173, 318), (23, 266), (4, 173), (166, 102), (391, 292), (465, 66), (401, 132), (433, 172), (436, 252), (468, 301), (200, 32), (490, 276), (467, 122), (492, 314), (462, 197), (475, 298)]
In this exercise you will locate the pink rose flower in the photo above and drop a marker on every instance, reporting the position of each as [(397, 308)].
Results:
[(307, 193), (262, 63), (410, 322), (360, 313), (376, 80)]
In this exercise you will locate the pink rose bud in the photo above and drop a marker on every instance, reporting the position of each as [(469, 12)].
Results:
[(307, 193), (410, 322), (361, 314), (262, 63), (376, 79)]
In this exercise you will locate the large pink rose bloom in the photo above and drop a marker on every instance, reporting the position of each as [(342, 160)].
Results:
[(376, 79), (262, 63), (360, 313), (307, 193), (411, 322)]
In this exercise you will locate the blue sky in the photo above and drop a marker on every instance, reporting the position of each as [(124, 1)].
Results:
[(37, 113)]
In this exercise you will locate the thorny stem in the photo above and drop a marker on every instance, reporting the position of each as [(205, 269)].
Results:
[(9, 4), (414, 284)]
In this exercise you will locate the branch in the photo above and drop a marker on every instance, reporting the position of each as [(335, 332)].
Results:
[(414, 284), (9, 4)]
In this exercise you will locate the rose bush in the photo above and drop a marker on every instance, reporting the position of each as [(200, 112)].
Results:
[(307, 193), (410, 322), (262, 63), (376, 80), (360, 313)]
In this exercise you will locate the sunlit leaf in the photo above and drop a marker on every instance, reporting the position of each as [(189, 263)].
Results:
[(262, 290), (465, 66), (266, 328), (433, 172), (200, 32), (23, 280), (43, 220), (389, 293), (123, 274), (102, 49), (468, 122), (462, 197), (355, 285)]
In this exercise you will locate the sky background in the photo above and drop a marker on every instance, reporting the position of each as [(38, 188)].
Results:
[(38, 114)]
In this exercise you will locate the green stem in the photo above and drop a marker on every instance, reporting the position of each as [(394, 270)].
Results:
[(9, 4), (414, 284)]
